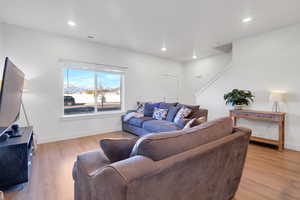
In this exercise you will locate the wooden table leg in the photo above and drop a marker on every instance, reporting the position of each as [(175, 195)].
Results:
[(281, 136), (234, 121)]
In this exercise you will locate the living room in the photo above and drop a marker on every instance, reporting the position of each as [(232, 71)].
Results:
[(90, 65)]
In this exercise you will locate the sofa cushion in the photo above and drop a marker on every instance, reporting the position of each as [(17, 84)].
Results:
[(156, 126), (149, 108), (162, 145), (138, 122), (172, 113), (90, 162)]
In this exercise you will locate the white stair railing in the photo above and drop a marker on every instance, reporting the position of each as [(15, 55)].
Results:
[(211, 81)]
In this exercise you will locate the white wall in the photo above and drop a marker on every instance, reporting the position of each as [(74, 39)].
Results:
[(37, 54), (1, 45), (198, 73), (265, 62)]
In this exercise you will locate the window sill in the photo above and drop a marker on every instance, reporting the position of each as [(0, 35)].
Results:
[(102, 115)]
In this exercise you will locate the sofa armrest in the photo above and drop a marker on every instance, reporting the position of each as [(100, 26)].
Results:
[(86, 166), (107, 184), (129, 111), (135, 167), (90, 162), (242, 129), (117, 149), (111, 182)]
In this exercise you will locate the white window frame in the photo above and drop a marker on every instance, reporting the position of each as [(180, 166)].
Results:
[(95, 68)]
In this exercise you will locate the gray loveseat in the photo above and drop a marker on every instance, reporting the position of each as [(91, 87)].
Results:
[(146, 125), (204, 163)]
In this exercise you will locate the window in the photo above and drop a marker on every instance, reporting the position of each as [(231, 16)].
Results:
[(88, 91)]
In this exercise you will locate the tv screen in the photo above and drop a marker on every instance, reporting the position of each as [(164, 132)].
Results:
[(10, 95)]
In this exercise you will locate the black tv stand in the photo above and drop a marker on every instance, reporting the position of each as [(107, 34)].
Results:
[(16, 159), (14, 131), (13, 134)]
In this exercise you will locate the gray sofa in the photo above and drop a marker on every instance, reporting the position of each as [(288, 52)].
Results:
[(146, 125), (201, 163)]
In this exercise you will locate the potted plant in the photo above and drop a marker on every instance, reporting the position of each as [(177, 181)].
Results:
[(239, 98)]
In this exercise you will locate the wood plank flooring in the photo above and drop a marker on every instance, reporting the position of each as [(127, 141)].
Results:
[(268, 174)]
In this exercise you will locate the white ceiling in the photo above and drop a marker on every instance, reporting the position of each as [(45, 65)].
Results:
[(143, 25)]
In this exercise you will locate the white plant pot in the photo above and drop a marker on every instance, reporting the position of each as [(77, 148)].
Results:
[(239, 107)]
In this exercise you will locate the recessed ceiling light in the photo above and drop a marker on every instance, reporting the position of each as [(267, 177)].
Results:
[(71, 23), (247, 19), (194, 54), (163, 49)]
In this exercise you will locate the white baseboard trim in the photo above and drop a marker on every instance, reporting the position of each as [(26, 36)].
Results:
[(73, 136), (292, 147)]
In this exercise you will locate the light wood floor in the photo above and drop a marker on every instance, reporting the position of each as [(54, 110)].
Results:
[(268, 174)]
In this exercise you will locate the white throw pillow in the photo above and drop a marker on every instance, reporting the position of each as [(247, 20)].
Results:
[(160, 114), (140, 107), (181, 114)]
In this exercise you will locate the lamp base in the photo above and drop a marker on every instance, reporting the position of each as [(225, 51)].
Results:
[(276, 107)]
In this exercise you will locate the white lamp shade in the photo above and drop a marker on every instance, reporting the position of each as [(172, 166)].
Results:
[(25, 86), (277, 96)]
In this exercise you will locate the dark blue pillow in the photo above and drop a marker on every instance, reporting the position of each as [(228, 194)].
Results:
[(164, 105), (156, 105), (172, 113), (149, 109)]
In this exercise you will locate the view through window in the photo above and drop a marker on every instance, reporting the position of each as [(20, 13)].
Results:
[(87, 91)]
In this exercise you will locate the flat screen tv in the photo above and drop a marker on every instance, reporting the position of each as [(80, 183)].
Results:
[(10, 95)]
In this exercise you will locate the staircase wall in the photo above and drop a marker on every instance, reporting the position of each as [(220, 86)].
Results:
[(265, 62), (198, 74)]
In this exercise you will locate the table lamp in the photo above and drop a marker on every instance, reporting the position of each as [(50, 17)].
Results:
[(25, 85), (276, 97)]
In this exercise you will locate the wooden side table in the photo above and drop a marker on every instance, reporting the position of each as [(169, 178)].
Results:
[(278, 117)]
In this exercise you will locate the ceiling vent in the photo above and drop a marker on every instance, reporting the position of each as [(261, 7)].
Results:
[(225, 48)]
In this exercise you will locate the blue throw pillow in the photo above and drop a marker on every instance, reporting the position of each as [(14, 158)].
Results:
[(156, 105), (172, 113), (164, 105), (149, 109)]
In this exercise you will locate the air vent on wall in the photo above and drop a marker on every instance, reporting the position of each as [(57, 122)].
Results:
[(225, 48)]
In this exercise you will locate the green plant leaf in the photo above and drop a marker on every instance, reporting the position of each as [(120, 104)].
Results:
[(239, 97)]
